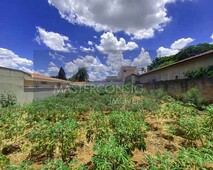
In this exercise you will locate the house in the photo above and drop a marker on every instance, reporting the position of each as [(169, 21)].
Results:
[(174, 71), (28, 87), (126, 71)]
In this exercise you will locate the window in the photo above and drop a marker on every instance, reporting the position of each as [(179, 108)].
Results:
[(176, 77)]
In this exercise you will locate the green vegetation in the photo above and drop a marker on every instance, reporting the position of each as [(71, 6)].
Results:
[(81, 75), (7, 98), (61, 74), (107, 129), (183, 54), (201, 72), (193, 97)]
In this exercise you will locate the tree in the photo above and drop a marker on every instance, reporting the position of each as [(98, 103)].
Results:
[(183, 54), (54, 77), (62, 74), (81, 75)]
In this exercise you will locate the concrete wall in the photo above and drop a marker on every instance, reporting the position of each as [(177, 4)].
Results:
[(126, 71), (41, 93), (104, 83), (170, 72), (13, 80), (131, 79), (177, 88)]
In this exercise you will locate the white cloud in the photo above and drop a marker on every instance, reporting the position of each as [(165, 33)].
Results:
[(142, 60), (54, 41), (53, 68), (96, 69), (139, 18), (162, 52), (110, 44), (212, 39), (11, 60), (181, 43), (144, 34), (27, 70), (114, 49), (89, 49), (90, 43), (56, 56), (174, 48)]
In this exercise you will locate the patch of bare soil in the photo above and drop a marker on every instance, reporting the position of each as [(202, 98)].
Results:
[(9, 149), (158, 140), (84, 153), (37, 158)]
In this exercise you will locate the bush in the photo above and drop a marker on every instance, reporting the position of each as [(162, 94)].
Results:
[(192, 128), (193, 97), (185, 158), (110, 155), (201, 72), (7, 98)]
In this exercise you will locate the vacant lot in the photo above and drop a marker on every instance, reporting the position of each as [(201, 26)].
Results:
[(105, 129)]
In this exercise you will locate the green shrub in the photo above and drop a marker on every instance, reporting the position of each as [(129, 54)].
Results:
[(192, 128), (128, 129), (110, 156), (7, 98), (46, 137), (190, 158), (177, 110), (4, 161), (201, 72), (193, 97), (55, 164)]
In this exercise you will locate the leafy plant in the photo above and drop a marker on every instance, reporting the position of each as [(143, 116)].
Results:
[(56, 165), (4, 161), (190, 158), (201, 72), (47, 137), (98, 127), (12, 124), (177, 110), (7, 98), (191, 128), (129, 129), (193, 97), (110, 155)]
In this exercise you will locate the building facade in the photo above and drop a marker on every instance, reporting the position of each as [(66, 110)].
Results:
[(126, 71), (28, 87), (176, 70)]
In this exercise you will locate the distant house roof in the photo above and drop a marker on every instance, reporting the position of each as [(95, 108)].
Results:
[(179, 62), (39, 77), (78, 83)]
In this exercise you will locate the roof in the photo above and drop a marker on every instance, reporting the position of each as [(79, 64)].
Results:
[(179, 62), (20, 71), (78, 83), (39, 77)]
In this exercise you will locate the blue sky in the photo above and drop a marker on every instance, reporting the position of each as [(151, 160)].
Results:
[(43, 35)]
